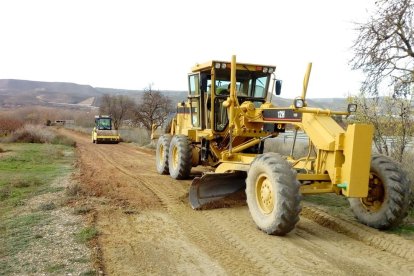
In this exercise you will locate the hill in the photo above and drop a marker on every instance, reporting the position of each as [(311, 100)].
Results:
[(15, 93), (23, 92)]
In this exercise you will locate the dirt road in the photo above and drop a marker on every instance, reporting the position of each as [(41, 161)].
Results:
[(147, 227)]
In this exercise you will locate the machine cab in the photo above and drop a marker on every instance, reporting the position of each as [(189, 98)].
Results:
[(103, 122), (209, 87)]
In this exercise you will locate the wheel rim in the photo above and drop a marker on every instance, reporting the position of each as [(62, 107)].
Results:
[(161, 154), (376, 194), (264, 194), (175, 157)]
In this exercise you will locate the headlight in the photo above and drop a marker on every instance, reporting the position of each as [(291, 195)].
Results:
[(265, 69), (352, 108), (299, 103)]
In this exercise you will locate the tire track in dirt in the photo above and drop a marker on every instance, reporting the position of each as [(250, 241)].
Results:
[(278, 250), (374, 261), (175, 207), (372, 237)]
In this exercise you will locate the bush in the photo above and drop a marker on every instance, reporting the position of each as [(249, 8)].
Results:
[(63, 140), (38, 134), (74, 190), (135, 135), (32, 134), (7, 126), (86, 234)]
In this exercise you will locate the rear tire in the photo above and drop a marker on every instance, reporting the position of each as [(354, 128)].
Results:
[(273, 196), (388, 199), (180, 157), (161, 155)]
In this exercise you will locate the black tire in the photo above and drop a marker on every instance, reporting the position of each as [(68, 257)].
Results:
[(272, 192), (161, 153), (180, 157), (388, 198)]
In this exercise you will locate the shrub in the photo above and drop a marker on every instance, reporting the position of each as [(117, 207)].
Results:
[(7, 126), (18, 182), (38, 134), (81, 210), (73, 190), (86, 234), (32, 134), (63, 140), (135, 135), (5, 192), (47, 206)]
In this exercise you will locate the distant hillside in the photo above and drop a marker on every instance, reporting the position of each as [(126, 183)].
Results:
[(175, 96), (14, 93), (23, 92)]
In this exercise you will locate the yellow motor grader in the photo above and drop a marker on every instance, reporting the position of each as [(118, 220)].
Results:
[(104, 131), (224, 124)]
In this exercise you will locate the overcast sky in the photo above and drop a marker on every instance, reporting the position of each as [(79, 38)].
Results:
[(128, 44)]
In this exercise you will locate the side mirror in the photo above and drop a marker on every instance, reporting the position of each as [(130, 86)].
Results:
[(278, 87)]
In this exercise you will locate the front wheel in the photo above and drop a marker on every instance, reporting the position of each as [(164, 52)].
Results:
[(273, 196), (387, 202), (180, 157)]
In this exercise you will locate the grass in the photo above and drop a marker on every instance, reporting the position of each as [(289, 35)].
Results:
[(86, 234), (30, 166), (27, 171), (55, 268), (16, 232)]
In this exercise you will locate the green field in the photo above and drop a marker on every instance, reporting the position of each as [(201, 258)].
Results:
[(27, 171)]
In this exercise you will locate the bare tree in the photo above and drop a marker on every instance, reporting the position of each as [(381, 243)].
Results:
[(153, 109), (384, 47), (384, 51), (391, 119), (118, 107)]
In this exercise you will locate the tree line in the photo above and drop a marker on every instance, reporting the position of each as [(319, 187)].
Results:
[(152, 109)]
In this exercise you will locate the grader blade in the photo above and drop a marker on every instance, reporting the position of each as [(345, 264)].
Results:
[(214, 186)]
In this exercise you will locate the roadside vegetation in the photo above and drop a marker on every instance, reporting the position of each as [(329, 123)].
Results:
[(38, 230)]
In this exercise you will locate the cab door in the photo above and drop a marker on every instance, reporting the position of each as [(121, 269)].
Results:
[(195, 99)]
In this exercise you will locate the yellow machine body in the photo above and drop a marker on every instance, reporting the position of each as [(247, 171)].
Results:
[(342, 161)]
